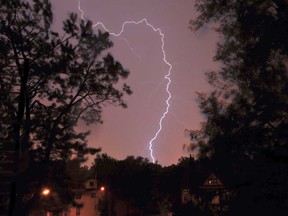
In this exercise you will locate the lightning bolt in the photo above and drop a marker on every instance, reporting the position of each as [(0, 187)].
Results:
[(167, 76)]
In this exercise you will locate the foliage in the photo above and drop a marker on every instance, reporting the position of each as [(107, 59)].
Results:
[(246, 115), (103, 206), (147, 187), (133, 180), (77, 172), (171, 182), (251, 90), (104, 166), (49, 82)]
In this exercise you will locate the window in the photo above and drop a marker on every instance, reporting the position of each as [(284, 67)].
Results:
[(77, 211), (93, 195), (91, 183), (212, 181)]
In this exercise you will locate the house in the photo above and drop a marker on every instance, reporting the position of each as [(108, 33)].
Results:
[(212, 193), (88, 197), (93, 197)]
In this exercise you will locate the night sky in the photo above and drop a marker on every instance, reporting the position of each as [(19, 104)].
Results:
[(128, 131)]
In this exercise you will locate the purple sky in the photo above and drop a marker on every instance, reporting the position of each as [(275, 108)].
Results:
[(138, 48)]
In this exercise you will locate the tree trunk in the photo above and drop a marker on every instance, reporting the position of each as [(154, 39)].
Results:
[(19, 146)]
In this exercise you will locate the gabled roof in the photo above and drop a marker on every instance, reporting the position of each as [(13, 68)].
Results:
[(212, 182)]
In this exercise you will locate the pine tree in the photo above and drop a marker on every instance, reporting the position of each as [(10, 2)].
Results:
[(49, 82)]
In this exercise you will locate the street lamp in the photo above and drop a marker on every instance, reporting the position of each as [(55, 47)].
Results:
[(45, 192)]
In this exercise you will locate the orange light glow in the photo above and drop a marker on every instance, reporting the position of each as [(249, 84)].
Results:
[(102, 188), (45, 192)]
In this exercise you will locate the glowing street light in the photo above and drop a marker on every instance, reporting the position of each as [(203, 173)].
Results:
[(45, 192), (102, 189)]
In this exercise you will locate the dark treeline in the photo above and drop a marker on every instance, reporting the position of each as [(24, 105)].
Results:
[(246, 126), (149, 187)]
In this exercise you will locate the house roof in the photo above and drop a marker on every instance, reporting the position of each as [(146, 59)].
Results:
[(196, 175), (212, 182)]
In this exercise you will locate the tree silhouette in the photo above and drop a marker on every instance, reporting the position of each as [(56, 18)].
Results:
[(49, 82), (246, 115), (133, 180)]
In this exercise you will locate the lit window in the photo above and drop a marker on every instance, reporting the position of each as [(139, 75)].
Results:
[(212, 181)]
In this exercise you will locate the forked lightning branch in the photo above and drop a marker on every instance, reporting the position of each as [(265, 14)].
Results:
[(167, 76)]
